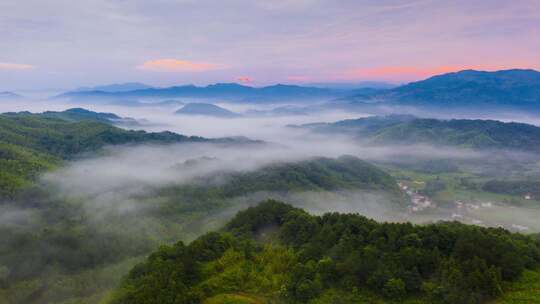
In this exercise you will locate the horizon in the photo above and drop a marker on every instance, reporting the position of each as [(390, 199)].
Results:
[(344, 86), (166, 43)]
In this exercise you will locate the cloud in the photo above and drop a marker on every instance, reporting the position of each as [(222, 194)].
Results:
[(177, 65), (244, 79), (15, 66)]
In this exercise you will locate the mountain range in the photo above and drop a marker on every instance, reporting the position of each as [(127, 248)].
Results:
[(221, 90), (9, 95), (515, 89), (469, 88), (115, 88), (353, 85)]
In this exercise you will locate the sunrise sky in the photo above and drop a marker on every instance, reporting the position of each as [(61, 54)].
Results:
[(65, 44)]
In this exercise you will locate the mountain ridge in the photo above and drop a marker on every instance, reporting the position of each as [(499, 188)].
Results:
[(9, 95), (116, 87), (218, 90), (407, 129), (517, 88)]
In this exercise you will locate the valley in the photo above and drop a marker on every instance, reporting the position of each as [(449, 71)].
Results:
[(269, 152), (86, 207), (70, 234)]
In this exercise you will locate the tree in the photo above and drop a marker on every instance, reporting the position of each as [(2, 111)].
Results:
[(394, 289)]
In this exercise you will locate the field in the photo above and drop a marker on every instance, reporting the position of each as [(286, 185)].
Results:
[(525, 290)]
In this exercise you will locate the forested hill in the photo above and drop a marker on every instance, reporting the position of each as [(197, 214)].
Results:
[(315, 174), (64, 138), (274, 253), (86, 249), (31, 143), (404, 129)]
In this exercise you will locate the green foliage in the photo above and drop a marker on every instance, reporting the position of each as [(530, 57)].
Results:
[(33, 143), (433, 186), (524, 290), (317, 174), (465, 133), (20, 166), (513, 187), (478, 134), (61, 237), (64, 138), (445, 262), (394, 289)]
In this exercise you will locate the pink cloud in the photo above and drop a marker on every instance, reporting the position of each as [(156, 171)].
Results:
[(176, 65), (15, 66), (244, 79)]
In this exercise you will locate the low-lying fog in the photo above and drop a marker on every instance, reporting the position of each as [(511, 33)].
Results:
[(269, 126), (129, 168), (110, 180)]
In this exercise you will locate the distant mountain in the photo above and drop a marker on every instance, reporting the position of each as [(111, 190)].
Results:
[(9, 95), (283, 111), (362, 126), (467, 133), (115, 88), (79, 114), (507, 88), (165, 103), (354, 85), (206, 109), (233, 91)]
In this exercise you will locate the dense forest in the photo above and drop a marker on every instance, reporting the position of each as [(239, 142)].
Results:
[(282, 254), (53, 247), (469, 133), (514, 187), (33, 143)]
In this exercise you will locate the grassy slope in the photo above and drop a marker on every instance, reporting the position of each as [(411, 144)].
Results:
[(525, 290)]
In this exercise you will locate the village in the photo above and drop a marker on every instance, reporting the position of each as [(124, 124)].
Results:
[(463, 211)]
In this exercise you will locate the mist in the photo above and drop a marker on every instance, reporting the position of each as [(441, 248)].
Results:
[(113, 180), (118, 204)]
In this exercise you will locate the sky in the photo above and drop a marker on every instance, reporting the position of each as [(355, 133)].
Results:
[(63, 44)]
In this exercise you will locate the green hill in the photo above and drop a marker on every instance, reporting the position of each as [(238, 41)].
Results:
[(274, 253), (59, 245), (471, 133), (32, 143)]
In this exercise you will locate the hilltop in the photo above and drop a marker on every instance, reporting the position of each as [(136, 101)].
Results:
[(277, 253), (514, 88)]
